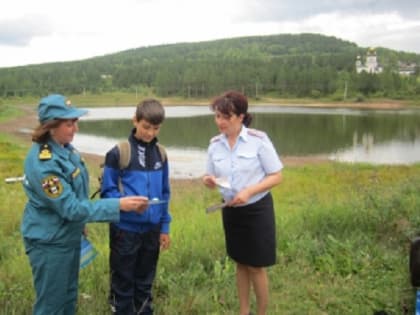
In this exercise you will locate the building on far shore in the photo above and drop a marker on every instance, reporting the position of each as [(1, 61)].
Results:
[(406, 69), (371, 65)]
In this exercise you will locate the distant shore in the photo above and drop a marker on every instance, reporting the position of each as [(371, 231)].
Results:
[(374, 104), (116, 99)]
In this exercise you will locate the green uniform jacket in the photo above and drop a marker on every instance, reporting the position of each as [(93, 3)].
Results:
[(57, 186)]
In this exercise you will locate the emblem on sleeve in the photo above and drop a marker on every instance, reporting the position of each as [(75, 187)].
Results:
[(52, 186)]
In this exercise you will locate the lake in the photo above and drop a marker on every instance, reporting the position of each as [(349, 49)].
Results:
[(341, 134)]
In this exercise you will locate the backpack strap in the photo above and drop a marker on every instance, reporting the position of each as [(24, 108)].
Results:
[(124, 148)]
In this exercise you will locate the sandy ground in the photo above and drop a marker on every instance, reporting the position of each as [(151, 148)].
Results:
[(29, 121)]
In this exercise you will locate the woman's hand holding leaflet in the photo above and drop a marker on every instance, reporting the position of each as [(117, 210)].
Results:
[(134, 203)]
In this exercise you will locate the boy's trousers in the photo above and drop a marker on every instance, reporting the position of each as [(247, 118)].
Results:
[(133, 261)]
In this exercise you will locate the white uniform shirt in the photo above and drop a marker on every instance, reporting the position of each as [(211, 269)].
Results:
[(249, 161)]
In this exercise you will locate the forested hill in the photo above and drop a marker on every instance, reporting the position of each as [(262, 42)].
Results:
[(245, 48), (302, 65)]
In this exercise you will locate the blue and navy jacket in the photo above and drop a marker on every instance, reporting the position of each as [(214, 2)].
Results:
[(57, 186), (146, 175)]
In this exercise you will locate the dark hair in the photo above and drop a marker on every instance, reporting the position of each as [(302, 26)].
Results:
[(232, 102), (150, 110), (41, 133)]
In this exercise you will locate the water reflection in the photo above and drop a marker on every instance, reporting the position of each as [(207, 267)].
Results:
[(392, 152), (378, 136)]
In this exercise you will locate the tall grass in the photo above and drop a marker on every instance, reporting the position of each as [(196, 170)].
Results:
[(342, 231)]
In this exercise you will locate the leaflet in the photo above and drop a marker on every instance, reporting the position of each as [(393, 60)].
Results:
[(156, 201)]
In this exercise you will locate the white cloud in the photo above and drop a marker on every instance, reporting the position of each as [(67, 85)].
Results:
[(387, 30), (49, 30)]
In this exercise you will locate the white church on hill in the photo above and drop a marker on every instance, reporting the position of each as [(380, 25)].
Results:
[(371, 65)]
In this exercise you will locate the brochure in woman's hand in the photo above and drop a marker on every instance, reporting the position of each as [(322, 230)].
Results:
[(216, 207), (223, 182)]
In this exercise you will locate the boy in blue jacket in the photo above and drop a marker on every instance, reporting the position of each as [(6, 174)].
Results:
[(136, 240)]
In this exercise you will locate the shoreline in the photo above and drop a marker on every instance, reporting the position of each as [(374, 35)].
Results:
[(130, 99)]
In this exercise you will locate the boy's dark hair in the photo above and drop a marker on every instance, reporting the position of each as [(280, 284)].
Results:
[(150, 110)]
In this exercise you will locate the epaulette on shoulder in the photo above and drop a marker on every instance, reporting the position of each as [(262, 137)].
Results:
[(256, 133), (216, 139), (45, 152)]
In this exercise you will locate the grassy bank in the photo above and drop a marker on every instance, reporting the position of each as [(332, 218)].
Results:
[(343, 234)]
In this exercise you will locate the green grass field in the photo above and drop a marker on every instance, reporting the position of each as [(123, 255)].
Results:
[(343, 235), (343, 239)]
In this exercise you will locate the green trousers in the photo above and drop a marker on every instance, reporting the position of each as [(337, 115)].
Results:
[(55, 271)]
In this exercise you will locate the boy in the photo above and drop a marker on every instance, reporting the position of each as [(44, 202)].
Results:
[(136, 240)]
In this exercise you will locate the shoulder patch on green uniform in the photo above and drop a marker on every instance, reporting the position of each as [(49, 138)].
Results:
[(45, 152), (52, 186)]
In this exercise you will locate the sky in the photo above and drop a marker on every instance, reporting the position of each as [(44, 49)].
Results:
[(34, 32)]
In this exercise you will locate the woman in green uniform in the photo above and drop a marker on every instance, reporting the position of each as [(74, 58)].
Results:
[(56, 183)]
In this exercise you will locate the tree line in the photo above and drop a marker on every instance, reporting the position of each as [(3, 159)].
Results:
[(302, 65)]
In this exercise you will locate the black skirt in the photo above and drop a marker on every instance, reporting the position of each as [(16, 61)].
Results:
[(250, 233)]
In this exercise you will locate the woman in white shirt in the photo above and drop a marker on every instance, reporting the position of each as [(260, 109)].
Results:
[(246, 160)]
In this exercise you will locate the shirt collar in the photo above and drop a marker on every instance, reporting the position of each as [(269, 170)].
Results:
[(141, 142), (244, 133)]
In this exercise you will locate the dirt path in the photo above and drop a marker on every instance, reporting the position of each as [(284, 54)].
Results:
[(16, 127)]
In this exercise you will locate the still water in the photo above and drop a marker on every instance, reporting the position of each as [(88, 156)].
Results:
[(350, 135)]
